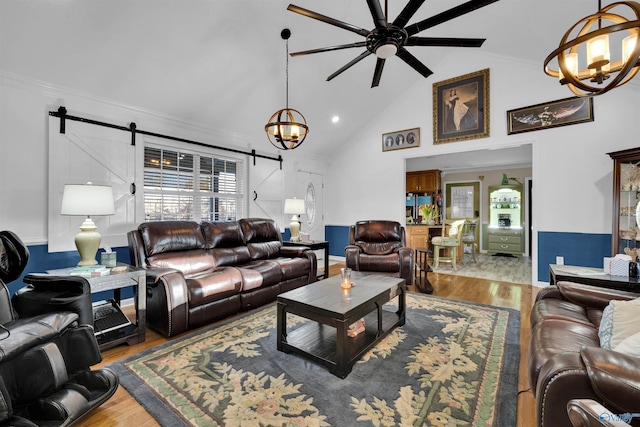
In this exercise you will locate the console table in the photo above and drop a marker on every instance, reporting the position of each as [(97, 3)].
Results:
[(314, 245), (592, 276)]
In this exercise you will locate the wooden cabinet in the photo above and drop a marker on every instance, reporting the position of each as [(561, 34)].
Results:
[(505, 241), (423, 181), (419, 236), (626, 195)]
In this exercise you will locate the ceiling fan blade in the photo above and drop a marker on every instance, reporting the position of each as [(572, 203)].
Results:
[(414, 62), (407, 13), (328, 20), (379, 19), (328, 49), (444, 41), (349, 65), (378, 72), (447, 15)]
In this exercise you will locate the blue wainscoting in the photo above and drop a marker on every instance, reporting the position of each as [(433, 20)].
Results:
[(40, 260), (582, 249), (338, 238)]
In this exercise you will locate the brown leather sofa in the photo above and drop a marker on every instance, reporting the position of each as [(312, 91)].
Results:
[(565, 359), (380, 246), (199, 273)]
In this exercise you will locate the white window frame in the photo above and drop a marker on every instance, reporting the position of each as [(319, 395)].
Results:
[(199, 195)]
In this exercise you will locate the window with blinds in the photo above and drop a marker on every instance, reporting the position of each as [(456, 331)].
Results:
[(181, 185)]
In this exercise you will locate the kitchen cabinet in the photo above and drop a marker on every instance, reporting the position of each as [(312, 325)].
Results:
[(423, 181), (419, 236), (505, 232), (626, 195)]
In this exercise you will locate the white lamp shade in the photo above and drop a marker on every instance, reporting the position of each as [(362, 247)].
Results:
[(294, 206), (87, 199)]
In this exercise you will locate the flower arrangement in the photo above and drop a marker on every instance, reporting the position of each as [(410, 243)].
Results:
[(429, 213)]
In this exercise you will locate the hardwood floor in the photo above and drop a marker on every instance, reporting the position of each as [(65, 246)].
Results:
[(123, 410)]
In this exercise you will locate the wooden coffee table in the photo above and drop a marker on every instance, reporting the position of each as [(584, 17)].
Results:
[(325, 304)]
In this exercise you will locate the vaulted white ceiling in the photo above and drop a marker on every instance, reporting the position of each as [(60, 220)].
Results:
[(222, 62)]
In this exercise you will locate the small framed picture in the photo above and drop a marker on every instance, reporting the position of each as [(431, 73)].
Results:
[(408, 138), (563, 112)]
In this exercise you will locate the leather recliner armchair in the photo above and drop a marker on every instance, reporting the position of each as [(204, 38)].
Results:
[(47, 345), (379, 246)]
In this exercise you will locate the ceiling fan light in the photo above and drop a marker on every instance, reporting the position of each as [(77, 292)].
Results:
[(386, 50)]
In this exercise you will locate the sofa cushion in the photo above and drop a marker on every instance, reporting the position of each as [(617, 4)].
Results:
[(188, 262), (620, 319), (262, 237), (388, 263), (171, 236), (378, 237), (225, 241), (211, 286), (260, 273), (293, 267), (630, 345)]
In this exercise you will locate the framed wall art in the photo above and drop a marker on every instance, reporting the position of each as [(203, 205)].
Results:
[(563, 112), (408, 138), (461, 108)]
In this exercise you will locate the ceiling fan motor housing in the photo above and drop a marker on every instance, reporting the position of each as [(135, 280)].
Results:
[(385, 42)]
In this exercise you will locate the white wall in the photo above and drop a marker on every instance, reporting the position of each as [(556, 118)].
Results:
[(572, 173), (24, 110)]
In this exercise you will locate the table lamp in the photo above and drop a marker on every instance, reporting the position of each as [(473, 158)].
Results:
[(294, 207), (86, 200)]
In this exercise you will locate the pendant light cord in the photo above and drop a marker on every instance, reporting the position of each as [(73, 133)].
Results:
[(287, 77)]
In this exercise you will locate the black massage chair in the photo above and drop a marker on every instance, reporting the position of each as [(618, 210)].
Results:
[(47, 345)]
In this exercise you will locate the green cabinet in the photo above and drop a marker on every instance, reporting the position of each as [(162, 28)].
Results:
[(505, 232)]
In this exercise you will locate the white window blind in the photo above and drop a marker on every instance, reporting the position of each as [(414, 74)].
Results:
[(186, 185)]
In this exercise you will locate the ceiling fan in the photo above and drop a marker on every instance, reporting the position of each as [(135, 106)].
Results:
[(390, 38)]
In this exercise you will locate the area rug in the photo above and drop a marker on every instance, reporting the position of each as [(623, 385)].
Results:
[(492, 267), (452, 364)]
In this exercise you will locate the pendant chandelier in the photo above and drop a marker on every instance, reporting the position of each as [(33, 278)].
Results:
[(584, 62), (287, 128)]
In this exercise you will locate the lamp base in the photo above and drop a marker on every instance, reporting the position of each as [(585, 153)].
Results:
[(88, 241), (294, 227)]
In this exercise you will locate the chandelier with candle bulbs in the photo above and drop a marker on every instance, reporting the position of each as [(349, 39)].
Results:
[(287, 128), (583, 58)]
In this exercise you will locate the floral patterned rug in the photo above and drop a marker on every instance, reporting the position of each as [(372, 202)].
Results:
[(452, 364)]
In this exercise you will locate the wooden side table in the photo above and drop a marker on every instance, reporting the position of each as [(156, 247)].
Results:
[(133, 276), (314, 245), (422, 267)]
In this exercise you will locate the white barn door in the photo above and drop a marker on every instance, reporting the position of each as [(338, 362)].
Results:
[(91, 153)]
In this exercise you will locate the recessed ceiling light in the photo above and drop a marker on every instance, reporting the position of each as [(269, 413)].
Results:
[(335, 119)]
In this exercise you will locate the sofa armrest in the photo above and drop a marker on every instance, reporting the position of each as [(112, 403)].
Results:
[(167, 301), (592, 296), (614, 376), (47, 293), (549, 292), (352, 257), (589, 413)]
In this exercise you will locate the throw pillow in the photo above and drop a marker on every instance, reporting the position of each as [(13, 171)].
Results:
[(620, 320), (630, 346), (606, 327)]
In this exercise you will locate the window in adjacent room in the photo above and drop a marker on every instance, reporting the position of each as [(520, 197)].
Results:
[(185, 185)]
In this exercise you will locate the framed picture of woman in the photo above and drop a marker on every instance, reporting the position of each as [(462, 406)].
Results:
[(461, 108)]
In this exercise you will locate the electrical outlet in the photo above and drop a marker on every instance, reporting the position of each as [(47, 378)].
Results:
[(559, 260)]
